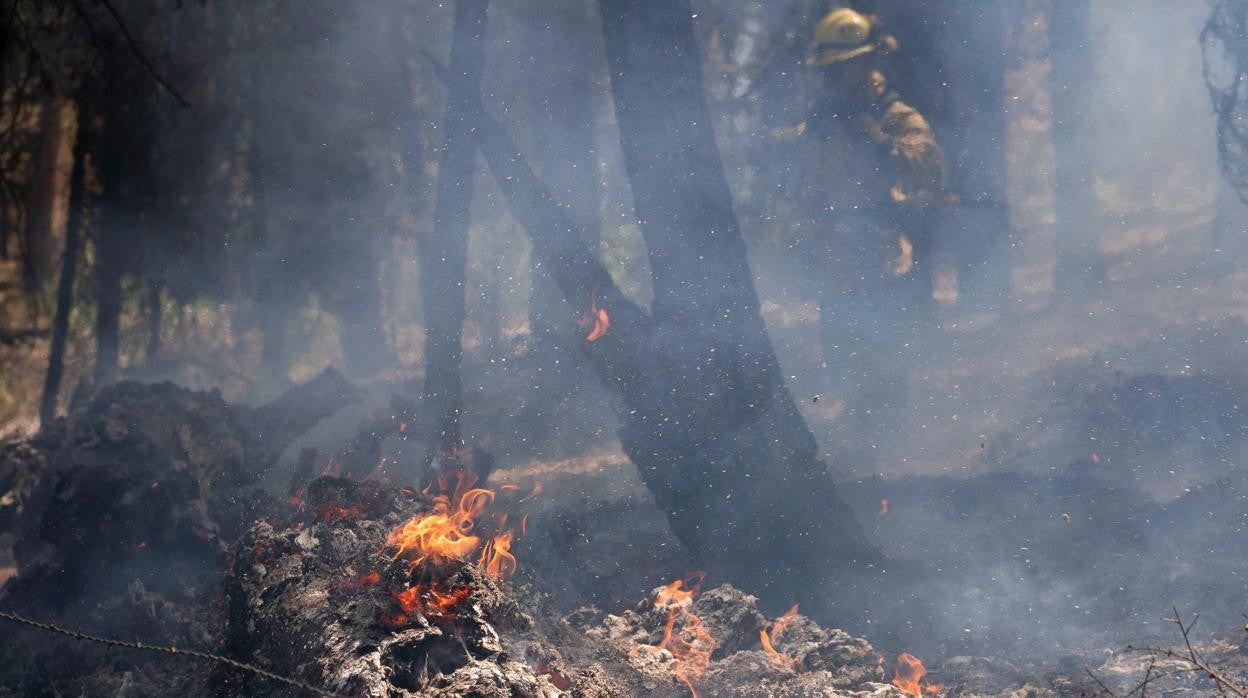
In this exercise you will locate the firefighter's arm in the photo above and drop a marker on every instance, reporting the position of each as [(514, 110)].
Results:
[(917, 161)]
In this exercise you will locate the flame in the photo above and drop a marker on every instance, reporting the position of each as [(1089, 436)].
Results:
[(496, 558), (692, 645), (595, 320), (766, 638), (673, 595), (909, 676), (443, 532), (449, 530)]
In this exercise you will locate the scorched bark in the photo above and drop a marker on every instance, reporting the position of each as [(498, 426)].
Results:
[(708, 419)]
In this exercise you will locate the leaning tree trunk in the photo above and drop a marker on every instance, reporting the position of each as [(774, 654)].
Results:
[(716, 434), (1071, 81), (69, 271), (708, 419), (444, 255)]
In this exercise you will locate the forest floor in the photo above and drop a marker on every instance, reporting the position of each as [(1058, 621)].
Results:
[(1032, 458)]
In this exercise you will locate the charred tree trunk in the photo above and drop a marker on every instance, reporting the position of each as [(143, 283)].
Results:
[(69, 272), (1080, 269), (445, 254), (709, 422), (721, 444), (108, 273)]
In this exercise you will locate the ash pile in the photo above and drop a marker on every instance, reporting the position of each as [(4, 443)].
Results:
[(390, 592), (140, 517), (124, 515)]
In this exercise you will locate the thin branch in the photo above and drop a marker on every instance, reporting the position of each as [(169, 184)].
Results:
[(1106, 689), (140, 56)]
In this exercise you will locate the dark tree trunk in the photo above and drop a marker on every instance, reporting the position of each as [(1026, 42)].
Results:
[(69, 271), (1080, 269), (708, 419), (108, 272), (444, 256), (718, 438)]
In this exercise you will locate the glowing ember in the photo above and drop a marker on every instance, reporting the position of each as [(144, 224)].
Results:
[(409, 600), (431, 600), (368, 580), (328, 512), (595, 320), (909, 676), (766, 639)]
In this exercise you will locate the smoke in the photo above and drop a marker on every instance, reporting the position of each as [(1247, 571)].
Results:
[(1060, 467)]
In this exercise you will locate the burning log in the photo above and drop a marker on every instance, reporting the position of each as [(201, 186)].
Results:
[(404, 595)]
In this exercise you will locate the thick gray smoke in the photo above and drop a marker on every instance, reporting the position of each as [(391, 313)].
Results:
[(1063, 465)]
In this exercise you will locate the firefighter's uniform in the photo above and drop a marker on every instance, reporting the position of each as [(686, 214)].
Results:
[(873, 180)]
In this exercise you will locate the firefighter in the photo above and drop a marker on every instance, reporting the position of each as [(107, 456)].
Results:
[(872, 186)]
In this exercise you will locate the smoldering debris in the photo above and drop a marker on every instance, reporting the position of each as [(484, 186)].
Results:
[(361, 587)]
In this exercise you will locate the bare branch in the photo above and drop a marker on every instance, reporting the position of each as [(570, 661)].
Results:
[(140, 56)]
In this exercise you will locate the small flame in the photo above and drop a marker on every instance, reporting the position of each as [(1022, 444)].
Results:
[(595, 320), (450, 530), (496, 558), (673, 595), (691, 645), (909, 676), (766, 639)]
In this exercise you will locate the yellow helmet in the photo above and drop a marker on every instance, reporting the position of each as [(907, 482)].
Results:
[(842, 34)]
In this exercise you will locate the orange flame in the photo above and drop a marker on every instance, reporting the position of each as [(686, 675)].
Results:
[(442, 533), (496, 558), (909, 676), (595, 320), (449, 531), (692, 645), (765, 638), (673, 595)]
